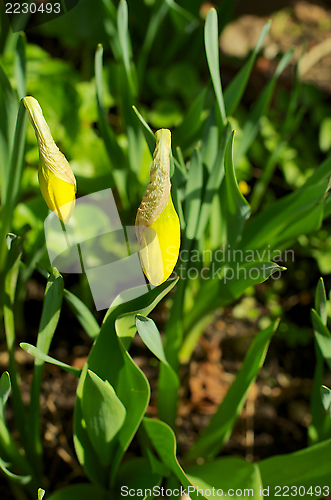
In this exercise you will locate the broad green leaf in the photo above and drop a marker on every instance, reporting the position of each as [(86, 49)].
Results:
[(320, 301), (129, 383), (193, 195), (164, 442), (79, 492), (13, 477), (37, 353), (103, 413), (48, 323), (212, 53), (147, 131), (323, 337), (83, 314), (326, 398), (136, 474), (220, 427), (213, 184), (234, 205), (168, 380), (234, 91), (308, 468), (229, 475), (5, 388)]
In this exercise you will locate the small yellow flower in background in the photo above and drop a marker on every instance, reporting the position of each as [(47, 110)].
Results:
[(56, 179), (244, 188), (158, 249)]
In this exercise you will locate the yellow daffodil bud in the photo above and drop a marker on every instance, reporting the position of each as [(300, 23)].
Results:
[(158, 247), (56, 179)]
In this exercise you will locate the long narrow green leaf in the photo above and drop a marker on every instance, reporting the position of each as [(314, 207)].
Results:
[(83, 314), (13, 265), (123, 36), (323, 336), (252, 125), (212, 52), (48, 323), (20, 66), (193, 195), (234, 91), (147, 131), (5, 388), (222, 422), (37, 353), (234, 205), (13, 183), (320, 301), (192, 121)]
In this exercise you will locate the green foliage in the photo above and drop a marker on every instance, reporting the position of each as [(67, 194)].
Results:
[(208, 160)]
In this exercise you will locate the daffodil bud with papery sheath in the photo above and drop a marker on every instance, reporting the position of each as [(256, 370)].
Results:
[(56, 179), (157, 223)]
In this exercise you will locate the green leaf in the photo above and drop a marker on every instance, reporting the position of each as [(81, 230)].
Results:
[(285, 219), (5, 388), (164, 442), (114, 151), (252, 125), (128, 381), (147, 131), (79, 492), (326, 398), (323, 337), (320, 301), (123, 37), (308, 468), (20, 65), (191, 123), (126, 322), (220, 427), (228, 283), (234, 91), (83, 314), (168, 381), (13, 477), (213, 184), (229, 475), (136, 474), (193, 193), (234, 205), (104, 415), (212, 53), (48, 323), (37, 353)]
